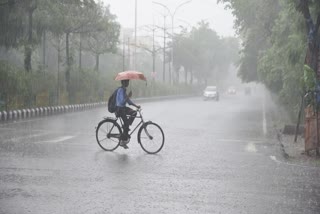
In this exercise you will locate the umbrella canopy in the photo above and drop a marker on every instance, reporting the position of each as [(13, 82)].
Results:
[(130, 75)]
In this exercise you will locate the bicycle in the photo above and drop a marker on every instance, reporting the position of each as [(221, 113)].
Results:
[(150, 135)]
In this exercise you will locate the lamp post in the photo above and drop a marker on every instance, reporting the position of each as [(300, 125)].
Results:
[(164, 50), (164, 28), (172, 24), (135, 37)]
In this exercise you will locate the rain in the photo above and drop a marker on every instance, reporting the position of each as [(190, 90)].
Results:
[(180, 106)]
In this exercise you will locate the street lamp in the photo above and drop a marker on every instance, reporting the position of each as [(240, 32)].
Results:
[(135, 36), (172, 23), (189, 25)]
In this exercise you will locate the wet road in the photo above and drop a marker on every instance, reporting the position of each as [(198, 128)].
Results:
[(217, 158)]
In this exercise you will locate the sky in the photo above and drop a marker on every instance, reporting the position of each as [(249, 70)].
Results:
[(220, 19)]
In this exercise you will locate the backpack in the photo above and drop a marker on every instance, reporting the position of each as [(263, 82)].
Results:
[(112, 105)]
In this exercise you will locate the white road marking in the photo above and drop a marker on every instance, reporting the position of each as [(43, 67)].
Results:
[(57, 140), (20, 121), (241, 140), (9, 129), (251, 147), (273, 158), (25, 137)]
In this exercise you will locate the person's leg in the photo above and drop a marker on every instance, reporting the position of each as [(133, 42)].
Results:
[(123, 115), (132, 115)]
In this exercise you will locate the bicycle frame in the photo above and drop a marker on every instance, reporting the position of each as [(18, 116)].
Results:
[(138, 125), (142, 122)]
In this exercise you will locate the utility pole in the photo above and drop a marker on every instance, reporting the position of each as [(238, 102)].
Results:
[(129, 63), (153, 51), (80, 51), (164, 50), (153, 56), (172, 26), (135, 37), (123, 54)]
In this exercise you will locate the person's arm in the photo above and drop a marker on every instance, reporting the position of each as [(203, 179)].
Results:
[(130, 102)]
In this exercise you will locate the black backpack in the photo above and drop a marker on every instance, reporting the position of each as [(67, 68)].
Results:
[(112, 106)]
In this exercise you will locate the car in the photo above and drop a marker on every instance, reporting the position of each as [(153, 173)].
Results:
[(211, 92), (231, 90)]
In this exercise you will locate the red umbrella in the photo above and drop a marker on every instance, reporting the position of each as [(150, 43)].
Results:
[(130, 75)]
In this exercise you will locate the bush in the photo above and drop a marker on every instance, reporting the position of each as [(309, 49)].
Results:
[(19, 89)]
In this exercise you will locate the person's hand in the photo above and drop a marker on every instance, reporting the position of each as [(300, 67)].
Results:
[(138, 106), (130, 94)]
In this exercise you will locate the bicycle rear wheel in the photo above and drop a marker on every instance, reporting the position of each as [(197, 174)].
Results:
[(108, 135), (151, 138)]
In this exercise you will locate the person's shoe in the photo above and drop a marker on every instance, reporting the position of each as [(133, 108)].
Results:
[(124, 143), (125, 146)]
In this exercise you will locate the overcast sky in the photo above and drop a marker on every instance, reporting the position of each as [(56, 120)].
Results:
[(220, 20)]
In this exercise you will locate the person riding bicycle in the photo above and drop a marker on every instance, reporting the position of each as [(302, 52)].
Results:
[(127, 114)]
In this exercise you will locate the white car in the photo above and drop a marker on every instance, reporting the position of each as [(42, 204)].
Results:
[(211, 92)]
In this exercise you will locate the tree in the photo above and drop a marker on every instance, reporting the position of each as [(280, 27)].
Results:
[(17, 23), (31, 6), (184, 49), (70, 17), (106, 38), (203, 54), (254, 23), (153, 50), (274, 48), (312, 58), (12, 27)]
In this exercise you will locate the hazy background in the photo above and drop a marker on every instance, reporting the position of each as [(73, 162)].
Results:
[(220, 19)]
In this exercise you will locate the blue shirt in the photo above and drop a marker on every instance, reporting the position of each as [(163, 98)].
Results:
[(121, 98)]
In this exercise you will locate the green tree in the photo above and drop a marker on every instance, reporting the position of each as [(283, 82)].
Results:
[(17, 21), (185, 53), (311, 12), (73, 17), (274, 48), (12, 26), (254, 23), (106, 38), (203, 54)]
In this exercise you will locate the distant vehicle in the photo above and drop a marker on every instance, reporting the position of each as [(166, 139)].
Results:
[(211, 92), (231, 90)]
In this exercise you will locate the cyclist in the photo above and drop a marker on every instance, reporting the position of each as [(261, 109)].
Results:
[(127, 114)]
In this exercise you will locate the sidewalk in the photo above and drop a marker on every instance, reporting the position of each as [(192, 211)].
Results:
[(295, 152)]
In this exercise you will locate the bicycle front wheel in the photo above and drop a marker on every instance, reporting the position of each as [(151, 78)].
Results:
[(151, 138), (108, 135)]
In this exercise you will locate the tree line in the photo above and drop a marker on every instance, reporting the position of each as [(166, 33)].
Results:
[(46, 48), (204, 55), (65, 26), (279, 37)]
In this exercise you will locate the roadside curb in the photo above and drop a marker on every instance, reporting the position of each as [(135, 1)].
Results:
[(293, 152), (6, 116), (46, 111)]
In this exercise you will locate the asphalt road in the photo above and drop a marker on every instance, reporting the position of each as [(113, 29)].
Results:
[(218, 157)]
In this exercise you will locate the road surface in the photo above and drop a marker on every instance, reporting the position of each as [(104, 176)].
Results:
[(218, 157)]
